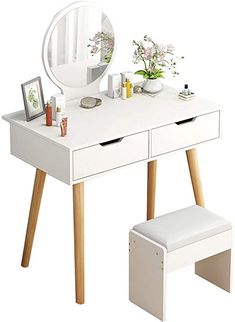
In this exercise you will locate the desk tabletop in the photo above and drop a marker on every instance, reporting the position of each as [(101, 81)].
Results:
[(115, 117)]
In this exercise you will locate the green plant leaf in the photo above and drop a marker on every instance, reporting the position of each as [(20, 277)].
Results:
[(140, 72), (146, 76)]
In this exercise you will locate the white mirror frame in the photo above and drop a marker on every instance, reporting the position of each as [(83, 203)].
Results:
[(70, 92)]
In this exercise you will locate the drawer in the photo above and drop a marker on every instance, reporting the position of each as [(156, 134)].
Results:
[(185, 133), (109, 155)]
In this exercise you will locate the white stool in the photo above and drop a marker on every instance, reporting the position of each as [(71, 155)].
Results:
[(172, 241)]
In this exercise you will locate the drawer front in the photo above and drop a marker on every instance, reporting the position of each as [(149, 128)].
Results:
[(110, 155), (185, 133)]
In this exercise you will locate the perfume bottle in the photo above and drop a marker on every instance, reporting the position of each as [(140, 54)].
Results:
[(185, 90), (48, 114), (128, 88), (131, 89)]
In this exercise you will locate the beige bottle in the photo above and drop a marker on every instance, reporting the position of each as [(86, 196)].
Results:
[(124, 93), (59, 116)]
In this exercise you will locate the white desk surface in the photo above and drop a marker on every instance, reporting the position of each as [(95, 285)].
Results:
[(115, 118)]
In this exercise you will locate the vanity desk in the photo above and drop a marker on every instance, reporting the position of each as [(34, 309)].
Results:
[(118, 133), (113, 135)]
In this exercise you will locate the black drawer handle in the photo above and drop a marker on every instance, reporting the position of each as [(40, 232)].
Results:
[(111, 142), (186, 121)]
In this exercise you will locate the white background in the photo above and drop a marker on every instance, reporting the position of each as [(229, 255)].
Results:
[(203, 32)]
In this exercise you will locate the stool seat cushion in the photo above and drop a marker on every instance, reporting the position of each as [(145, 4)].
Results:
[(183, 227)]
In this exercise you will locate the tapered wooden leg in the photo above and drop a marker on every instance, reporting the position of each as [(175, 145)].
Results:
[(151, 189), (202, 267), (195, 176), (78, 215), (33, 216)]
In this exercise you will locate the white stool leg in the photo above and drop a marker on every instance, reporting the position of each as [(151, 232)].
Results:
[(216, 269), (147, 274)]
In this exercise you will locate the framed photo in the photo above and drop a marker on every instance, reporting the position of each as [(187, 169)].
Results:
[(33, 98)]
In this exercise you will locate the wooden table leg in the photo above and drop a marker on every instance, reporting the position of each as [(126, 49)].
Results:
[(78, 214), (151, 189), (195, 176), (33, 216)]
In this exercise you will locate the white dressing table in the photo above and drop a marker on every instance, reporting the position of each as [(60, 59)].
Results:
[(118, 133), (115, 134)]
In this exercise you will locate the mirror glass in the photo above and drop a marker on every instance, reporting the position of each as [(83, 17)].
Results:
[(81, 46)]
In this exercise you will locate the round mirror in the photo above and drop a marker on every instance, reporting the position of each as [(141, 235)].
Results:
[(78, 46)]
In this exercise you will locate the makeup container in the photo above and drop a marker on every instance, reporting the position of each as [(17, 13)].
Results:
[(185, 91), (59, 116), (127, 75), (57, 100), (131, 89), (128, 88), (114, 85), (127, 78), (48, 114), (124, 94), (63, 126)]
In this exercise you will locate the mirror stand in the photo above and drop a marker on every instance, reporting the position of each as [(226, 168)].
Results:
[(78, 49)]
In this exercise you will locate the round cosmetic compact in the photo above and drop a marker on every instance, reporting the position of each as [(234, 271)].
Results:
[(90, 102)]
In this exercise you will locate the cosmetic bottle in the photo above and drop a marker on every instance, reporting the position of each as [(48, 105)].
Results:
[(59, 116), (186, 90), (48, 114), (57, 100), (128, 88), (114, 85), (131, 89), (124, 94), (63, 126), (127, 75)]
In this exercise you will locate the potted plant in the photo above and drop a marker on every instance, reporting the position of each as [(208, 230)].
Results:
[(157, 60)]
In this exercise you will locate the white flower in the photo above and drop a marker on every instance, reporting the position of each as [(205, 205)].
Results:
[(155, 57), (148, 54), (94, 49)]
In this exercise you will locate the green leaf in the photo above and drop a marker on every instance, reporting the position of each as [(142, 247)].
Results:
[(146, 76), (141, 72)]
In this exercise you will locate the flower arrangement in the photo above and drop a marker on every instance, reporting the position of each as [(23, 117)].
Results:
[(103, 42), (157, 58)]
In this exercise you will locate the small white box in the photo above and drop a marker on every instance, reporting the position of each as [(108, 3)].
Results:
[(114, 85), (57, 100)]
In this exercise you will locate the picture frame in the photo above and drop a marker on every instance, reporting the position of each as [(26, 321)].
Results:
[(33, 98)]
